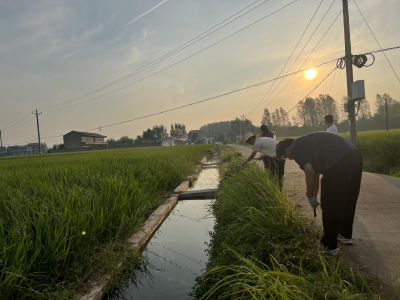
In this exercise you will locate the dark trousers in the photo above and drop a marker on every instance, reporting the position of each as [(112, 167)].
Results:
[(340, 187), (275, 166)]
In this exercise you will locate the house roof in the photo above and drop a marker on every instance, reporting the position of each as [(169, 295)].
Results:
[(87, 134), (194, 131)]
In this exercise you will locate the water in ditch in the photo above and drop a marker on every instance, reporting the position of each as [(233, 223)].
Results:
[(176, 254)]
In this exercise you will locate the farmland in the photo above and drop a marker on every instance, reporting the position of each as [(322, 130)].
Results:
[(62, 216)]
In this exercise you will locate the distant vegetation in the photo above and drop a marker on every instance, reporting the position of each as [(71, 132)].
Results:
[(63, 216), (310, 118)]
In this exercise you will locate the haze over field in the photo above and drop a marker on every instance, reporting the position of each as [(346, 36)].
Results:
[(55, 51)]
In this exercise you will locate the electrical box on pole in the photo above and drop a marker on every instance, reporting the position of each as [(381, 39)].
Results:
[(357, 90)]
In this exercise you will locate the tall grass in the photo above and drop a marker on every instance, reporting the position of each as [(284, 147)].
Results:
[(262, 248), (57, 212), (380, 151)]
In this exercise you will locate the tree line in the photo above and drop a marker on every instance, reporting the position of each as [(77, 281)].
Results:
[(151, 135), (309, 117)]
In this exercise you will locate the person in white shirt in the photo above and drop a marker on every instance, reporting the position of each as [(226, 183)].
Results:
[(267, 146), (329, 122)]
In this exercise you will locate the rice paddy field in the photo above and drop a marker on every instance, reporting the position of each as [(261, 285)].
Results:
[(64, 217), (262, 248)]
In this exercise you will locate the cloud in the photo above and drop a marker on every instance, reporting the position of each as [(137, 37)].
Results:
[(70, 54), (151, 9)]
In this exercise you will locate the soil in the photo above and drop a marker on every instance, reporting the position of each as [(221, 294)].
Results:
[(376, 236)]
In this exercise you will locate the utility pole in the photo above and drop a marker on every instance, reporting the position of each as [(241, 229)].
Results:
[(349, 73), (99, 129), (387, 117), (242, 117), (38, 130), (1, 144)]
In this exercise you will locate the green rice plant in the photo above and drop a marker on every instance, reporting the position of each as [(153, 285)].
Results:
[(262, 248), (61, 216), (380, 151)]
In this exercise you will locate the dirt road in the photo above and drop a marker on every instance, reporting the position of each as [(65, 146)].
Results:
[(376, 249)]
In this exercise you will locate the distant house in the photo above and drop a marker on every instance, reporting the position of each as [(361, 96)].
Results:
[(35, 148), (79, 139), (171, 141), (198, 137), (19, 150)]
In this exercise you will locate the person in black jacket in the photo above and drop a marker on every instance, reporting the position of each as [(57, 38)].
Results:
[(266, 132), (340, 163)]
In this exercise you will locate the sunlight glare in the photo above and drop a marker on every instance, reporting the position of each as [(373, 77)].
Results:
[(310, 74)]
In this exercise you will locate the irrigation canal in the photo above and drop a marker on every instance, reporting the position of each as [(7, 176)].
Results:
[(176, 254)]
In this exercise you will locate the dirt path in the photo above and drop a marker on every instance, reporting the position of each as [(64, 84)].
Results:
[(376, 227)]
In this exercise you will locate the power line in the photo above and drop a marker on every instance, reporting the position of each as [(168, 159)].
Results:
[(13, 128), (316, 28), (198, 102), (227, 93), (290, 56), (169, 54), (370, 29), (5, 128), (143, 78)]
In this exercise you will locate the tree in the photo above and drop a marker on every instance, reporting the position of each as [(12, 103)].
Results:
[(179, 130), (111, 142), (139, 139), (364, 111), (43, 147), (266, 118), (125, 140)]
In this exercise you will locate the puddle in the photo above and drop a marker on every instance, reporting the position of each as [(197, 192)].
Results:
[(176, 254)]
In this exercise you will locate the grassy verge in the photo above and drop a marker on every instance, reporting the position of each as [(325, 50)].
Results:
[(64, 217), (262, 248)]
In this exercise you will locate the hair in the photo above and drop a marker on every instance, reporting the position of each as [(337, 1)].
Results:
[(266, 132), (280, 147), (329, 118)]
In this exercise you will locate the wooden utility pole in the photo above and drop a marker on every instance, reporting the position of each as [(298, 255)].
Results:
[(1, 144), (387, 117), (38, 130), (349, 73)]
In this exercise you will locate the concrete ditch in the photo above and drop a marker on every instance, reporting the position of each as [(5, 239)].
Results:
[(99, 285)]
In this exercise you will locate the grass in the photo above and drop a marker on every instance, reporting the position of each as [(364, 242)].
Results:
[(64, 217), (262, 248)]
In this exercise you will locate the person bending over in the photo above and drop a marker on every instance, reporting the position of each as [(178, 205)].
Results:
[(340, 163), (267, 147)]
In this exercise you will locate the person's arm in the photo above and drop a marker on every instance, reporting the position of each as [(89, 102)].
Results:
[(312, 179), (243, 163), (316, 188), (253, 154)]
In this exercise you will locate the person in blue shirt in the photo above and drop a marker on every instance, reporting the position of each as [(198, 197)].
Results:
[(340, 163)]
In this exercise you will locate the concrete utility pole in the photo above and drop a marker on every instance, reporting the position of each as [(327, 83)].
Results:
[(1, 144), (387, 117), (349, 73), (242, 117), (38, 130)]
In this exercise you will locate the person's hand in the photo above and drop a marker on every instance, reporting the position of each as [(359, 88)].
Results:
[(313, 202), (243, 163)]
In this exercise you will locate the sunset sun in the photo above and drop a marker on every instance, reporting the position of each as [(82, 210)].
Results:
[(310, 74)]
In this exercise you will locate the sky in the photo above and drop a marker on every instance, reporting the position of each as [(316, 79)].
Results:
[(53, 52)]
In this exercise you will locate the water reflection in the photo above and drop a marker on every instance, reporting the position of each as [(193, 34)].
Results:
[(176, 254)]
